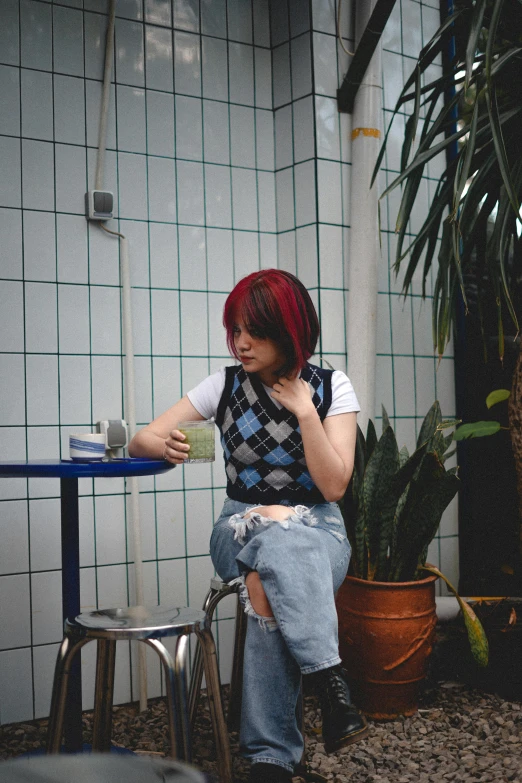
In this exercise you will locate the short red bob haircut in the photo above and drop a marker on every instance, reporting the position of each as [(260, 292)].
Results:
[(275, 304)]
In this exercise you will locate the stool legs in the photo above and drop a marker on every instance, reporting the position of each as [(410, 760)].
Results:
[(236, 681), (180, 667), (210, 663), (68, 649), (209, 606), (234, 708), (103, 695), (212, 599), (176, 687)]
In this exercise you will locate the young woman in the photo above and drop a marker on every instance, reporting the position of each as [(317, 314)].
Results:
[(288, 433)]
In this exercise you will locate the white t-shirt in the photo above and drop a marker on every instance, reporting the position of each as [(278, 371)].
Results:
[(206, 395)]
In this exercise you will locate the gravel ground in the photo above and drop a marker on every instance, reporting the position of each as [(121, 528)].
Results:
[(459, 734)]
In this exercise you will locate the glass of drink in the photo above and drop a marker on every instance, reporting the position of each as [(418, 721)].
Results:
[(200, 437)]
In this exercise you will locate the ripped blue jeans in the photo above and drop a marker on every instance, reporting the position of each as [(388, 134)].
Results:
[(301, 562)]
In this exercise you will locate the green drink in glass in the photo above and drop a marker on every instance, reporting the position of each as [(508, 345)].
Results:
[(200, 437)]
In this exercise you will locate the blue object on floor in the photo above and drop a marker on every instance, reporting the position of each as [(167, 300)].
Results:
[(86, 748)]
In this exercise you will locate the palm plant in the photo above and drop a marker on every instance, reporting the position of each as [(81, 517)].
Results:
[(471, 234)]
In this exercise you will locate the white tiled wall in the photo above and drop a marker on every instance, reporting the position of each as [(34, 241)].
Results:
[(226, 154)]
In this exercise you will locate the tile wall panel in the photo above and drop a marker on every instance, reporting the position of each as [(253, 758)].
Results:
[(226, 154)]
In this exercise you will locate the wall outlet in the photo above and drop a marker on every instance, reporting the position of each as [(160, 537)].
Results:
[(99, 204)]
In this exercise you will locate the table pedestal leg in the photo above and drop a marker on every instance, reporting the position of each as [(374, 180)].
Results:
[(71, 607)]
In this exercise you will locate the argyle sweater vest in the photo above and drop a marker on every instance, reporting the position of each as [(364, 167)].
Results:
[(264, 455)]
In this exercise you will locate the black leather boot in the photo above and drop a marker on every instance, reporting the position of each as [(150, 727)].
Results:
[(342, 724), (269, 773)]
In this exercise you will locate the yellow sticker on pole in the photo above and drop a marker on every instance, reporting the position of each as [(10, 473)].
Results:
[(375, 132)]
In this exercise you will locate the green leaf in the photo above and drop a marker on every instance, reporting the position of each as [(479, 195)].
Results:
[(432, 222), (461, 180), (479, 429), (429, 426), (445, 424), (473, 37), (448, 456), (491, 101), (380, 470), (477, 636), (437, 41), (421, 158), (499, 395), (504, 60), (385, 511), (413, 120), (409, 196), (371, 439), (429, 493), (360, 454), (508, 234), (385, 419), (404, 456)]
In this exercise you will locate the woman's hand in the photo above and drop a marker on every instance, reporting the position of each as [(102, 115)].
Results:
[(161, 439), (294, 394), (176, 451)]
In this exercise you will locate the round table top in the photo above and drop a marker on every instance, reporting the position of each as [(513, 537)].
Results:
[(68, 468)]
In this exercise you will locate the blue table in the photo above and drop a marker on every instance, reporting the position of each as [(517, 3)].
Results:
[(69, 472)]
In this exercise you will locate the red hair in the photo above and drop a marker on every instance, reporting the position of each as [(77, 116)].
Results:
[(274, 304)]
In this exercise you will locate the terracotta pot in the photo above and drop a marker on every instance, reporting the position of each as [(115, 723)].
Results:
[(386, 633)]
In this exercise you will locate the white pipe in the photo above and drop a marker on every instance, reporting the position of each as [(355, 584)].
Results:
[(106, 94), (447, 608), (361, 300), (129, 396), (130, 415)]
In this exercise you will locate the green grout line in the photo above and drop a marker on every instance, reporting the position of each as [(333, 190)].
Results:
[(180, 363), (344, 209), (24, 326), (149, 274), (122, 347)]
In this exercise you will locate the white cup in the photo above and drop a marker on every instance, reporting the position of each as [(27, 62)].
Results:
[(86, 447)]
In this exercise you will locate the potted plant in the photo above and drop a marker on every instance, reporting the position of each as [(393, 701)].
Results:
[(386, 605)]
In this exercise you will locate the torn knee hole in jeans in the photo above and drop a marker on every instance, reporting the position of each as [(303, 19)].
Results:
[(241, 523), (266, 623)]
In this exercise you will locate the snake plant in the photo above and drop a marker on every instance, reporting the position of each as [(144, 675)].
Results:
[(398, 499), (394, 505)]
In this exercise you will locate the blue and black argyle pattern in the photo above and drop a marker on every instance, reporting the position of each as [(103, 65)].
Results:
[(262, 445)]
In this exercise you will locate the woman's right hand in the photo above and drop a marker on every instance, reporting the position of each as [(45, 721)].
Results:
[(176, 451)]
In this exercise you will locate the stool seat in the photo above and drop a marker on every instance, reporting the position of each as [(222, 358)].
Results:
[(147, 624), (138, 622)]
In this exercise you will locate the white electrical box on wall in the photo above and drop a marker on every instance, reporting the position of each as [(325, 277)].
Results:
[(99, 204), (115, 431)]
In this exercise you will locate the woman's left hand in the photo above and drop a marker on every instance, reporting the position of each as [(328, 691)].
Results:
[(294, 394)]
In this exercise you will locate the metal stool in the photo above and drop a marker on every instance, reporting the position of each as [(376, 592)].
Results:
[(218, 591), (147, 624)]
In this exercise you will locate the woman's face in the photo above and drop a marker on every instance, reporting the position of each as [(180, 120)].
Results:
[(258, 354)]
